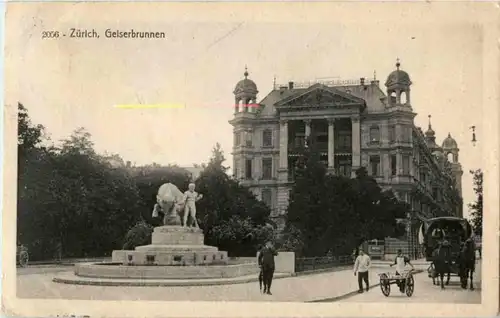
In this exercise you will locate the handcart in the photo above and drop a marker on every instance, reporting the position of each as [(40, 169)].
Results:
[(388, 279)]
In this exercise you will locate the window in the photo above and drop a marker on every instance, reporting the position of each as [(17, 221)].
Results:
[(237, 138), (392, 133), (267, 138), (374, 134), (374, 165), (248, 139), (344, 141), (393, 165), (248, 169), (406, 134), (406, 165), (267, 168), (299, 141), (267, 197)]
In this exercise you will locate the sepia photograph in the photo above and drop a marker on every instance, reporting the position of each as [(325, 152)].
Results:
[(251, 155)]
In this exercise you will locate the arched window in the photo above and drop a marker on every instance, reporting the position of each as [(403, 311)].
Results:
[(374, 134), (449, 156), (392, 98), (403, 98)]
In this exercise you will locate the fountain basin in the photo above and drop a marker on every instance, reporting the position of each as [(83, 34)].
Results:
[(117, 271)]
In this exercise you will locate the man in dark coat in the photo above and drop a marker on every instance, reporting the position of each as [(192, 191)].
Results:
[(266, 262)]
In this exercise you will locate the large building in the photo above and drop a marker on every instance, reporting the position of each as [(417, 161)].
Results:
[(353, 123)]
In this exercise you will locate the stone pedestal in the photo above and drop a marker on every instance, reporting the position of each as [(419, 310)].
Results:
[(173, 220), (174, 246)]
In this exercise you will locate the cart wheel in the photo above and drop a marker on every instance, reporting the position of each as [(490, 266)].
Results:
[(385, 286), (23, 259), (410, 285)]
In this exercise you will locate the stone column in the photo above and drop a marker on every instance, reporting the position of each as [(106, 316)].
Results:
[(398, 96), (399, 163), (237, 105), (283, 145), (331, 143), (307, 132), (308, 127), (356, 144)]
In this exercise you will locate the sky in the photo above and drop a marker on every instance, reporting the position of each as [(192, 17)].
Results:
[(69, 83)]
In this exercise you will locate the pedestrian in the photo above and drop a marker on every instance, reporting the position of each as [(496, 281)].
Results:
[(266, 260), (260, 267), (361, 267), (401, 261)]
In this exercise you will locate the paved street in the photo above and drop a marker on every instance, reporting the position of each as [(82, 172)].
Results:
[(37, 283), (301, 288), (426, 292)]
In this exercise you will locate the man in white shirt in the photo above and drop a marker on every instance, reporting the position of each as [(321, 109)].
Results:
[(401, 261), (361, 267)]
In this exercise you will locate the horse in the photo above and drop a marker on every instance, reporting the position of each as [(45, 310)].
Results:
[(433, 273), (467, 263), (442, 260)]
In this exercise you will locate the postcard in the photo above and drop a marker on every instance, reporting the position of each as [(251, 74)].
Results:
[(251, 159)]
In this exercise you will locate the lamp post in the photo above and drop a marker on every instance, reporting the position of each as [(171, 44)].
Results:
[(408, 233), (474, 141)]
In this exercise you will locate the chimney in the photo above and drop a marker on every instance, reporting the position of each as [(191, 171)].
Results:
[(362, 81), (129, 164), (290, 85)]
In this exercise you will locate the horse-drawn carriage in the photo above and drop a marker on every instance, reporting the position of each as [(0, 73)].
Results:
[(22, 256), (448, 245)]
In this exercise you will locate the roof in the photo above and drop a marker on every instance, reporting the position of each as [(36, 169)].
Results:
[(372, 96), (450, 143), (398, 77), (245, 85), (446, 218)]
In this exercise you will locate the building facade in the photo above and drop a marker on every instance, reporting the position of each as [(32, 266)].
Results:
[(354, 124)]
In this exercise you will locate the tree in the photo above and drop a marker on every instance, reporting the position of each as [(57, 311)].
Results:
[(377, 211), (29, 136), (140, 234), (308, 204), (69, 196), (330, 214), (228, 213), (476, 208)]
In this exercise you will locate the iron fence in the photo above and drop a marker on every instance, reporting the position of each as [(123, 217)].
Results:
[(315, 263)]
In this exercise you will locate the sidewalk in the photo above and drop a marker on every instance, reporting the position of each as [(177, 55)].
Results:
[(71, 261), (305, 288)]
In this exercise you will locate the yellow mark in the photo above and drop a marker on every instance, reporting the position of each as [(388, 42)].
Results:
[(151, 106)]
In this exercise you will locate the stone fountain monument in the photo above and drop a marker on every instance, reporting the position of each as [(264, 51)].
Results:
[(177, 252), (174, 243)]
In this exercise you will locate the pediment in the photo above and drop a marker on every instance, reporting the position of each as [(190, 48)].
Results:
[(320, 96)]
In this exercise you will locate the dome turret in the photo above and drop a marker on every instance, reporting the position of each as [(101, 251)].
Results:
[(450, 143), (398, 87), (398, 77), (245, 94), (246, 85)]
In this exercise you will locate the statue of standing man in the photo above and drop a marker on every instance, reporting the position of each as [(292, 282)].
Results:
[(190, 199)]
